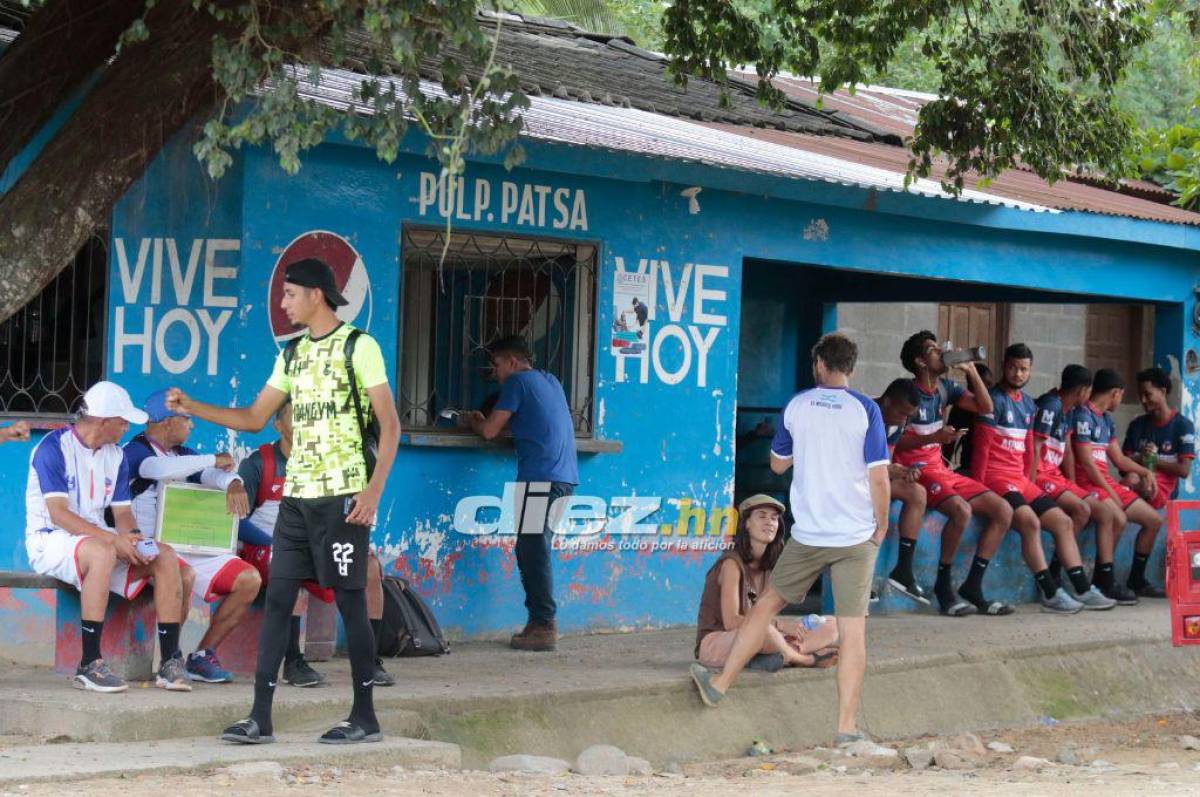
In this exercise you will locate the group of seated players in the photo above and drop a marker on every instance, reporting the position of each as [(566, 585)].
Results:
[(1032, 465), (92, 511)]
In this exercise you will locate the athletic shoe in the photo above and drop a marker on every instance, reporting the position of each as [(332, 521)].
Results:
[(299, 673), (203, 665), (1095, 600), (97, 677), (382, 676), (908, 586), (1148, 590), (1122, 594), (171, 675), (1061, 603)]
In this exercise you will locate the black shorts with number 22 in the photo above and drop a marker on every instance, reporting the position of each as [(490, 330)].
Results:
[(313, 542)]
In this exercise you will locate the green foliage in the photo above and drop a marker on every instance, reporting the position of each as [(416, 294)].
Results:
[(1033, 80), (275, 51)]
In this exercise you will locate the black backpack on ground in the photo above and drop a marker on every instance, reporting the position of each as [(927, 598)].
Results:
[(409, 627)]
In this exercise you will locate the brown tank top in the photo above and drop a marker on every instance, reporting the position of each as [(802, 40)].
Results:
[(709, 619)]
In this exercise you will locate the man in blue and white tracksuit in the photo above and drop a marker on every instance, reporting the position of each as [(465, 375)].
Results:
[(834, 441)]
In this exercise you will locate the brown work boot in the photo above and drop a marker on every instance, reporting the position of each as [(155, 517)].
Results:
[(536, 637)]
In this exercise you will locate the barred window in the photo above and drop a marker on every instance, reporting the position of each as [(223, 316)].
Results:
[(53, 347), (487, 287)]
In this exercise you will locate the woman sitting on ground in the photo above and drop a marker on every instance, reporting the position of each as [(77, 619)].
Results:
[(737, 579)]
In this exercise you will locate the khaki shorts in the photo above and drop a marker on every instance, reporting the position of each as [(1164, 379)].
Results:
[(851, 570)]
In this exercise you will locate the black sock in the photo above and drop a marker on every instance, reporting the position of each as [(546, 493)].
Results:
[(943, 588), (90, 632), (264, 695), (972, 587), (360, 644), (1137, 570), (1055, 566), (1078, 579), (376, 631), (168, 640), (1047, 583), (272, 643), (293, 644), (1103, 577), (903, 570)]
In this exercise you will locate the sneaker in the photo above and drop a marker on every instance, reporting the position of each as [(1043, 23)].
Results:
[(1148, 590), (97, 677), (1122, 594), (908, 586), (1095, 600), (382, 676), (171, 675), (1061, 603), (299, 673), (703, 681), (203, 665)]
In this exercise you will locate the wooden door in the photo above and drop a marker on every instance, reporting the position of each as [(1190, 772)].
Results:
[(1119, 336), (975, 324)]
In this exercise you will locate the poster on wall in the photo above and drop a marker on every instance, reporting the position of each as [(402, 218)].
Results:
[(631, 314)]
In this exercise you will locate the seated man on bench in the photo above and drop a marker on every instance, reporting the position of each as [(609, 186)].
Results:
[(160, 454), (75, 473), (263, 474)]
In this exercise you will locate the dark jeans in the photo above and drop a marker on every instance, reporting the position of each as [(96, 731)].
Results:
[(534, 562)]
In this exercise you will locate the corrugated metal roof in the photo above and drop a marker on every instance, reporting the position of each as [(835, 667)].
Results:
[(895, 110), (1016, 184), (635, 131)]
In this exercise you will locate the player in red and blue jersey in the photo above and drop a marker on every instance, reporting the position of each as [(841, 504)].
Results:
[(1162, 436), (1094, 440), (954, 495), (1003, 460), (1053, 457), (897, 404)]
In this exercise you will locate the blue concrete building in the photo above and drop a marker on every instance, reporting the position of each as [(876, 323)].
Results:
[(743, 250)]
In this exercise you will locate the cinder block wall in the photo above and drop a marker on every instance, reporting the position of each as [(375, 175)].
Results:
[(1056, 333), (880, 330)]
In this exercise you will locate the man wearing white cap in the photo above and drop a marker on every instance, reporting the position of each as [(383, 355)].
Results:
[(75, 473)]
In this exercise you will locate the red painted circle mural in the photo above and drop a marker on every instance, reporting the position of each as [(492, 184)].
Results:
[(349, 272)]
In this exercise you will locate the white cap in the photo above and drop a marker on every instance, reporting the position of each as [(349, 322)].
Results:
[(110, 400)]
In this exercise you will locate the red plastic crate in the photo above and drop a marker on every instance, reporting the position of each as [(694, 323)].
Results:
[(1183, 575)]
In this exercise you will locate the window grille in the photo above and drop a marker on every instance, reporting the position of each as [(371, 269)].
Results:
[(490, 286), (53, 348)]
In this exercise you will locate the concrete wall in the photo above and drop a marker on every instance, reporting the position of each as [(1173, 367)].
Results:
[(1056, 333), (879, 330)]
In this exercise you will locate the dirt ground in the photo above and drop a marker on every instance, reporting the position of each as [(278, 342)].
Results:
[(1137, 757)]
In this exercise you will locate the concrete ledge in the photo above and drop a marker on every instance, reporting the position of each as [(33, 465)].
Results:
[(927, 675), (45, 763)]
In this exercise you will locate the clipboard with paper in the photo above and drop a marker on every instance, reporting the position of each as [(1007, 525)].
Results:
[(194, 519)]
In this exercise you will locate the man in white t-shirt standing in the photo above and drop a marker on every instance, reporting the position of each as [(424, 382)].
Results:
[(834, 440)]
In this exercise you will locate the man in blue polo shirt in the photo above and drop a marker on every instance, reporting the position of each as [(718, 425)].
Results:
[(544, 436), (834, 441)]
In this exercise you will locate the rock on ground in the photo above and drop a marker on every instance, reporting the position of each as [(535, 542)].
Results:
[(541, 765), (639, 766), (865, 748), (1000, 747), (969, 743), (1189, 742), (953, 759), (602, 759), (254, 769), (919, 758), (1068, 756), (1030, 764)]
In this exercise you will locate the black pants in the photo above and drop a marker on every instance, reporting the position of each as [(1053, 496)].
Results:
[(534, 562)]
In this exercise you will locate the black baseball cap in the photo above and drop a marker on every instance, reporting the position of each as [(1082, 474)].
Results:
[(313, 273)]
